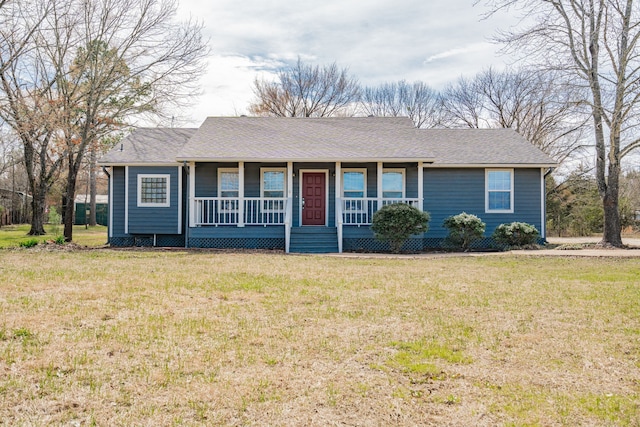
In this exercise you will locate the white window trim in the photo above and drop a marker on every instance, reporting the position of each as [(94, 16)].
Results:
[(220, 172), (228, 206), (347, 170), (263, 170), (266, 206), (404, 182), (486, 190), (167, 204)]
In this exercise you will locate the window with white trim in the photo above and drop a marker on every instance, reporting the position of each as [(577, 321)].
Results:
[(273, 182), (499, 190), (228, 182), (153, 190), (228, 186), (354, 185), (393, 184)]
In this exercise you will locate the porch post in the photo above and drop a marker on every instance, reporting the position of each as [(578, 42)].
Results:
[(379, 190), (338, 204), (420, 185), (240, 194), (192, 194), (289, 180), (289, 208), (126, 199)]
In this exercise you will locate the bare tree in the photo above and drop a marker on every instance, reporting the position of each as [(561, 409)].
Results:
[(133, 59), (595, 44), (105, 62), (529, 101), (306, 91), (416, 100), (26, 95)]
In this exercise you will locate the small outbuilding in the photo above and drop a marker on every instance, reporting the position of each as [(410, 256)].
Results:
[(82, 206)]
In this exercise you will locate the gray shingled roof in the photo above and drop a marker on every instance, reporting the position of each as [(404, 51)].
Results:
[(327, 139), (481, 147), (149, 146), (303, 139)]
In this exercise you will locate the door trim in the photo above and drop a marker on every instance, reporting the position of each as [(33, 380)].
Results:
[(326, 201)]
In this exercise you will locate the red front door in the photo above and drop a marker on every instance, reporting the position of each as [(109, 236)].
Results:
[(314, 198)]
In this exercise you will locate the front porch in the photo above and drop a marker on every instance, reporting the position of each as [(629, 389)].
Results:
[(309, 201)]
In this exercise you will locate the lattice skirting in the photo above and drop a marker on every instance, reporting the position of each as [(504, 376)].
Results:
[(162, 240), (237, 243), (121, 241), (373, 245), (413, 245)]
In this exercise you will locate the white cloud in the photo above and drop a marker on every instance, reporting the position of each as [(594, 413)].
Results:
[(379, 40)]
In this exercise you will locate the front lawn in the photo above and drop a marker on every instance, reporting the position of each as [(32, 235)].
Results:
[(173, 337), (13, 235)]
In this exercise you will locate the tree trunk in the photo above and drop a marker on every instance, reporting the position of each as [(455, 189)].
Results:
[(68, 209), (93, 158), (611, 233), (38, 205)]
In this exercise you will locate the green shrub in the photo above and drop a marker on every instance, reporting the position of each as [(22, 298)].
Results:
[(59, 240), (394, 223), (516, 234), (464, 229), (28, 243)]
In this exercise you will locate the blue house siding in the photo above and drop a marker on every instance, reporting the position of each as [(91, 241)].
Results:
[(447, 191), (117, 202), (154, 220), (207, 177), (452, 191), (411, 176)]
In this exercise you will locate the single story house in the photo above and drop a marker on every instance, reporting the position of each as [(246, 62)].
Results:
[(313, 184)]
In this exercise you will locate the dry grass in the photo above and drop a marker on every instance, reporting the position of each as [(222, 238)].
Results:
[(203, 338)]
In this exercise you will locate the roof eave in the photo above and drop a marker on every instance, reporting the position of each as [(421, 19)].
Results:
[(308, 160), (492, 165), (110, 164)]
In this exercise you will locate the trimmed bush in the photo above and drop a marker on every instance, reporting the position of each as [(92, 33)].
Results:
[(516, 234), (394, 223), (464, 229)]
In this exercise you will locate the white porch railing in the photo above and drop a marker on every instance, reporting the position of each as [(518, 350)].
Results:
[(359, 211), (226, 211)]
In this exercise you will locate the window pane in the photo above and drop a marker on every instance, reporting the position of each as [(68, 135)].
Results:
[(273, 180), (273, 193), (353, 182), (229, 181), (392, 185), (273, 184), (392, 194), (229, 184), (500, 200), (153, 190), (499, 180)]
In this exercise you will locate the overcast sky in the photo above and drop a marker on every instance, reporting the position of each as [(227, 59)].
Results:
[(434, 41)]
